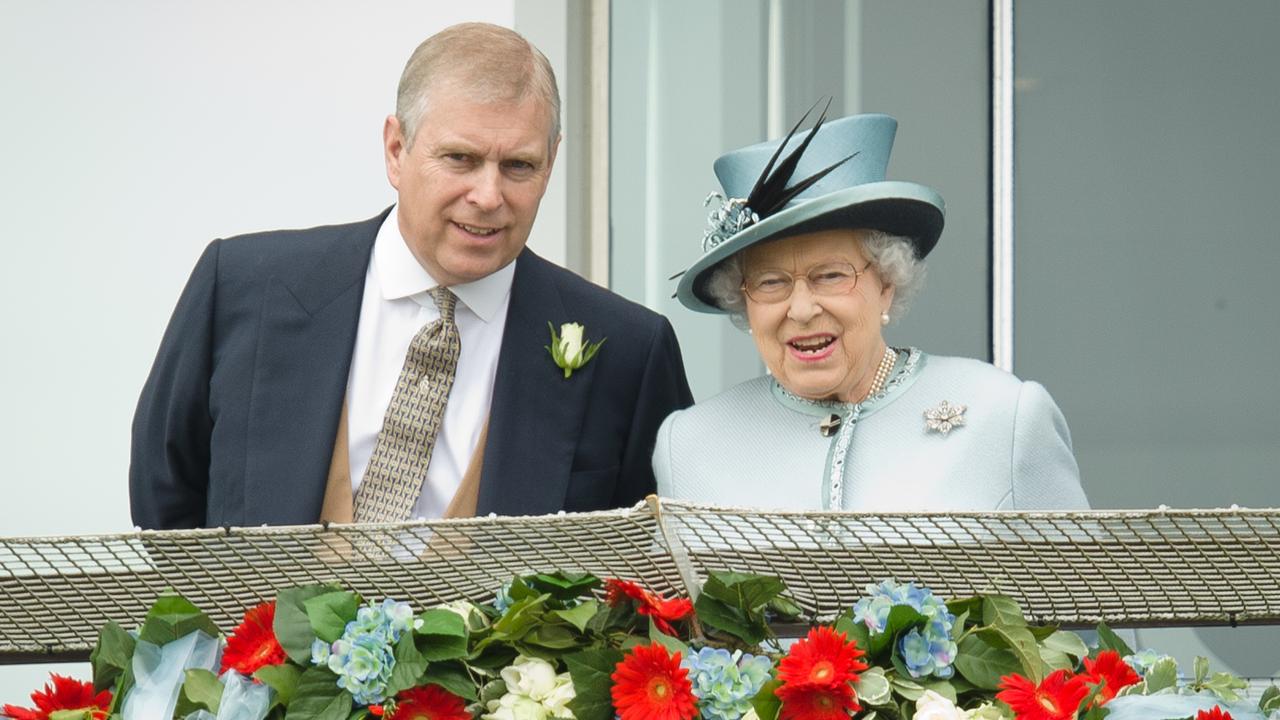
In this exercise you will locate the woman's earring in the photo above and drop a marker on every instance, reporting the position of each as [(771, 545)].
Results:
[(884, 318)]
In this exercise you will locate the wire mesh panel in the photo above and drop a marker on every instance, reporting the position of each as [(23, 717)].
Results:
[(1133, 568)]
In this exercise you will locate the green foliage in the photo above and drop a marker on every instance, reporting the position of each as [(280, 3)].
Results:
[(590, 671), (112, 656), (318, 697), (329, 613), (1108, 640), (451, 676), (171, 617), (442, 635), (983, 664), (735, 603), (281, 678), (292, 625), (766, 702), (410, 664), (200, 689)]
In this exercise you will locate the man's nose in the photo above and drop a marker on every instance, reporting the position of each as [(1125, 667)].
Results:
[(803, 305), (486, 190)]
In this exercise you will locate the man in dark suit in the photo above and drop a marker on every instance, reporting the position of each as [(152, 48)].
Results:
[(327, 374)]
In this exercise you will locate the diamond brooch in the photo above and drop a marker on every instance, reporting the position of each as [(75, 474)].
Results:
[(945, 417)]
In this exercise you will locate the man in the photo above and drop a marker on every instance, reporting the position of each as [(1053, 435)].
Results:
[(396, 368)]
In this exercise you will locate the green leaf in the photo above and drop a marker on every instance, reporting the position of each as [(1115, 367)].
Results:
[(562, 585), (722, 616), (1270, 699), (872, 687), (1108, 640), (673, 645), (292, 626), (553, 637), (1163, 674), (410, 664), (81, 714), (784, 608), (329, 613), (1002, 611), (443, 635), (901, 618), (1022, 644), (969, 607), (743, 591), (1065, 641), (579, 615), (203, 689), (1055, 660), (908, 689), (520, 617), (984, 664), (1201, 669), (957, 628), (452, 677), (172, 617), (766, 702), (590, 671), (318, 697), (111, 656), (943, 688), (281, 678)]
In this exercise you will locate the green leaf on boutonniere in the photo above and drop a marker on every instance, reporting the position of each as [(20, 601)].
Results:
[(569, 348)]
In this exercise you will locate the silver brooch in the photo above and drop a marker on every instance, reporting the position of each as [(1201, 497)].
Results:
[(945, 417), (727, 220), (829, 425)]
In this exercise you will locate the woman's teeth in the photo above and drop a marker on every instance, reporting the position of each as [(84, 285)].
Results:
[(811, 345)]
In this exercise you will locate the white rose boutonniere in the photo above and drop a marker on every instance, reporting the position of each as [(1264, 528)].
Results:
[(569, 349)]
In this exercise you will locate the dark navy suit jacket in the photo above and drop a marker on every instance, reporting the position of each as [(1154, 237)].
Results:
[(236, 423)]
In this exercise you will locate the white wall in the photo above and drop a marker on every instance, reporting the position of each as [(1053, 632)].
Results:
[(131, 134)]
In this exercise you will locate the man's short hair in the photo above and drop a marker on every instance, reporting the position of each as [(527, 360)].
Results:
[(489, 62)]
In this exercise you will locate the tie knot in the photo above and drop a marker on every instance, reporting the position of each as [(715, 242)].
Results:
[(445, 301)]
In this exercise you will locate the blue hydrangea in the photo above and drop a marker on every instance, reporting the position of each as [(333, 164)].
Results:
[(927, 651), (724, 683), (365, 654)]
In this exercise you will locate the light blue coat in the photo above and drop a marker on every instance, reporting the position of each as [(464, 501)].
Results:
[(755, 445)]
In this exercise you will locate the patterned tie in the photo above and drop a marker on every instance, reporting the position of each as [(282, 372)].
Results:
[(398, 468)]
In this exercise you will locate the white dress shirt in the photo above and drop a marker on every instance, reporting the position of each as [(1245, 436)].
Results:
[(396, 305)]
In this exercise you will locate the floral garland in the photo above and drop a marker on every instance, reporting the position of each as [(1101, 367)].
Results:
[(566, 646)]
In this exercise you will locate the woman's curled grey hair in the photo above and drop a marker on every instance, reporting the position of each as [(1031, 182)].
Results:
[(892, 256)]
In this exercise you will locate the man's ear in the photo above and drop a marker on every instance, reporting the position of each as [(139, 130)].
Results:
[(393, 149)]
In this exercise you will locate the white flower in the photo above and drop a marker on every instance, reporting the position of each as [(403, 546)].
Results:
[(932, 706), (557, 701), (571, 344), (751, 715), (531, 677), (515, 707)]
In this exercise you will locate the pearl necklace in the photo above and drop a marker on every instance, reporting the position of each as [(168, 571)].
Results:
[(882, 373)]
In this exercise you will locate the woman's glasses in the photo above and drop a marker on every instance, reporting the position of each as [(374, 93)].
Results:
[(772, 286)]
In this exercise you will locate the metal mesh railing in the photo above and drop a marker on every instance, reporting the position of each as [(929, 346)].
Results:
[(1185, 567)]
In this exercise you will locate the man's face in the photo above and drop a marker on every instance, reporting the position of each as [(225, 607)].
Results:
[(470, 184)]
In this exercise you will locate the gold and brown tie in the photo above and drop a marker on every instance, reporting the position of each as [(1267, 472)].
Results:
[(398, 468)]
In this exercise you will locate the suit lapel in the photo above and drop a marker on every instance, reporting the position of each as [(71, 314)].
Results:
[(536, 413), (309, 319)]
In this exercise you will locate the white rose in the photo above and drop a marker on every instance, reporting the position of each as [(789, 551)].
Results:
[(515, 707), (557, 701), (530, 677), (571, 344), (932, 706)]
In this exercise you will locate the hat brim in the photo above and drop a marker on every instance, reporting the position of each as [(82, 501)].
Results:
[(901, 208)]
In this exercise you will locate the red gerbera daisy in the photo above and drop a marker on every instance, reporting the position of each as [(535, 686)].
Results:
[(817, 702), (824, 658), (1216, 713), (1056, 698), (663, 612), (253, 644), (429, 702), (649, 684), (63, 693), (1112, 672)]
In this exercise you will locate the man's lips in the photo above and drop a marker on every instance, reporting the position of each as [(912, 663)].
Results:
[(812, 348)]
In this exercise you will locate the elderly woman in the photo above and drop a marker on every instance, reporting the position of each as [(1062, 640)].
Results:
[(818, 255)]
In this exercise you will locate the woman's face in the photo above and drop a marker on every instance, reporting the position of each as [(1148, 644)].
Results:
[(818, 346)]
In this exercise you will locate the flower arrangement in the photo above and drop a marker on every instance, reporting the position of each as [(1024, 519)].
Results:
[(567, 646)]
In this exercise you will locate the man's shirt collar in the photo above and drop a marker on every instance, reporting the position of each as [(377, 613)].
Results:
[(400, 275)]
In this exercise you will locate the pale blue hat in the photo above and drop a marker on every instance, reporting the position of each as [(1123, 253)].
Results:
[(845, 162)]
